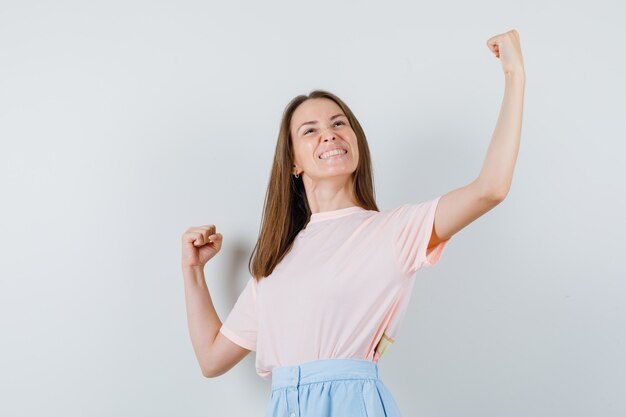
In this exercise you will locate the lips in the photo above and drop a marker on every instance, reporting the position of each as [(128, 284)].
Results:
[(331, 149)]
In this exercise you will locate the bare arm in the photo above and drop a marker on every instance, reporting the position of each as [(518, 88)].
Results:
[(499, 164), (216, 354), (460, 207), (497, 170)]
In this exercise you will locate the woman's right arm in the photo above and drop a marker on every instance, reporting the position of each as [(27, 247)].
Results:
[(216, 354)]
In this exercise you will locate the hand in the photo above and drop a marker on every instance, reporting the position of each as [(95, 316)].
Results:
[(200, 244), (507, 48)]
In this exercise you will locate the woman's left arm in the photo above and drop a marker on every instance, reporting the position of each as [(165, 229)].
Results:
[(497, 170), (460, 207)]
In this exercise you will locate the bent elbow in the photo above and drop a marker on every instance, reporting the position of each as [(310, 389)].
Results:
[(496, 195), (500, 195), (213, 373), (208, 373)]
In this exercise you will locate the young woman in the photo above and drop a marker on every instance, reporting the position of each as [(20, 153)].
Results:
[(331, 275)]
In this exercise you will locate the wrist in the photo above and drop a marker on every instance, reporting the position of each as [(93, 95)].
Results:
[(193, 269)]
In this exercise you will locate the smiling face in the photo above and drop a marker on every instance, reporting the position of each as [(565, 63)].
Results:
[(317, 126)]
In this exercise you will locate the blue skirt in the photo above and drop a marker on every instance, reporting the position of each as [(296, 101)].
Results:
[(330, 388)]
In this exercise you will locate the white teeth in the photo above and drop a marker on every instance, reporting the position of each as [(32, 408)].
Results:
[(332, 153)]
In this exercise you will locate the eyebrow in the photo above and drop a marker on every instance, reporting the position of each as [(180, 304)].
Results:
[(315, 121)]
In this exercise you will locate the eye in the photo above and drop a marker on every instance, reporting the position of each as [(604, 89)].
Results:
[(308, 130)]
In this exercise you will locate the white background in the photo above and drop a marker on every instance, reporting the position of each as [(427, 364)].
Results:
[(123, 123)]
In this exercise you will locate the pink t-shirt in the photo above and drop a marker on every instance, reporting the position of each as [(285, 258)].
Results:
[(342, 290)]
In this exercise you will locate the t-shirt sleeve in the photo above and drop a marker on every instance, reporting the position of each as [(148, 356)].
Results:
[(241, 324), (412, 229)]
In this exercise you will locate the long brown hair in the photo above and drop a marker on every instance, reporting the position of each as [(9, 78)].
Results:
[(286, 210)]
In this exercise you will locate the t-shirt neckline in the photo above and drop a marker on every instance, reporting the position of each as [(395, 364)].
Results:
[(333, 214)]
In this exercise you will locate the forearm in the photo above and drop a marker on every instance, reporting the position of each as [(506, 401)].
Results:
[(202, 319), (496, 174)]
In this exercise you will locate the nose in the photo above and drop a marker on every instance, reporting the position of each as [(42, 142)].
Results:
[(328, 135)]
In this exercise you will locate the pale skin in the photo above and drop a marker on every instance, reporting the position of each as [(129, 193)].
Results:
[(328, 187), (461, 206)]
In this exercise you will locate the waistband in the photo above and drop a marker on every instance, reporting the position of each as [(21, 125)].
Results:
[(323, 370)]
